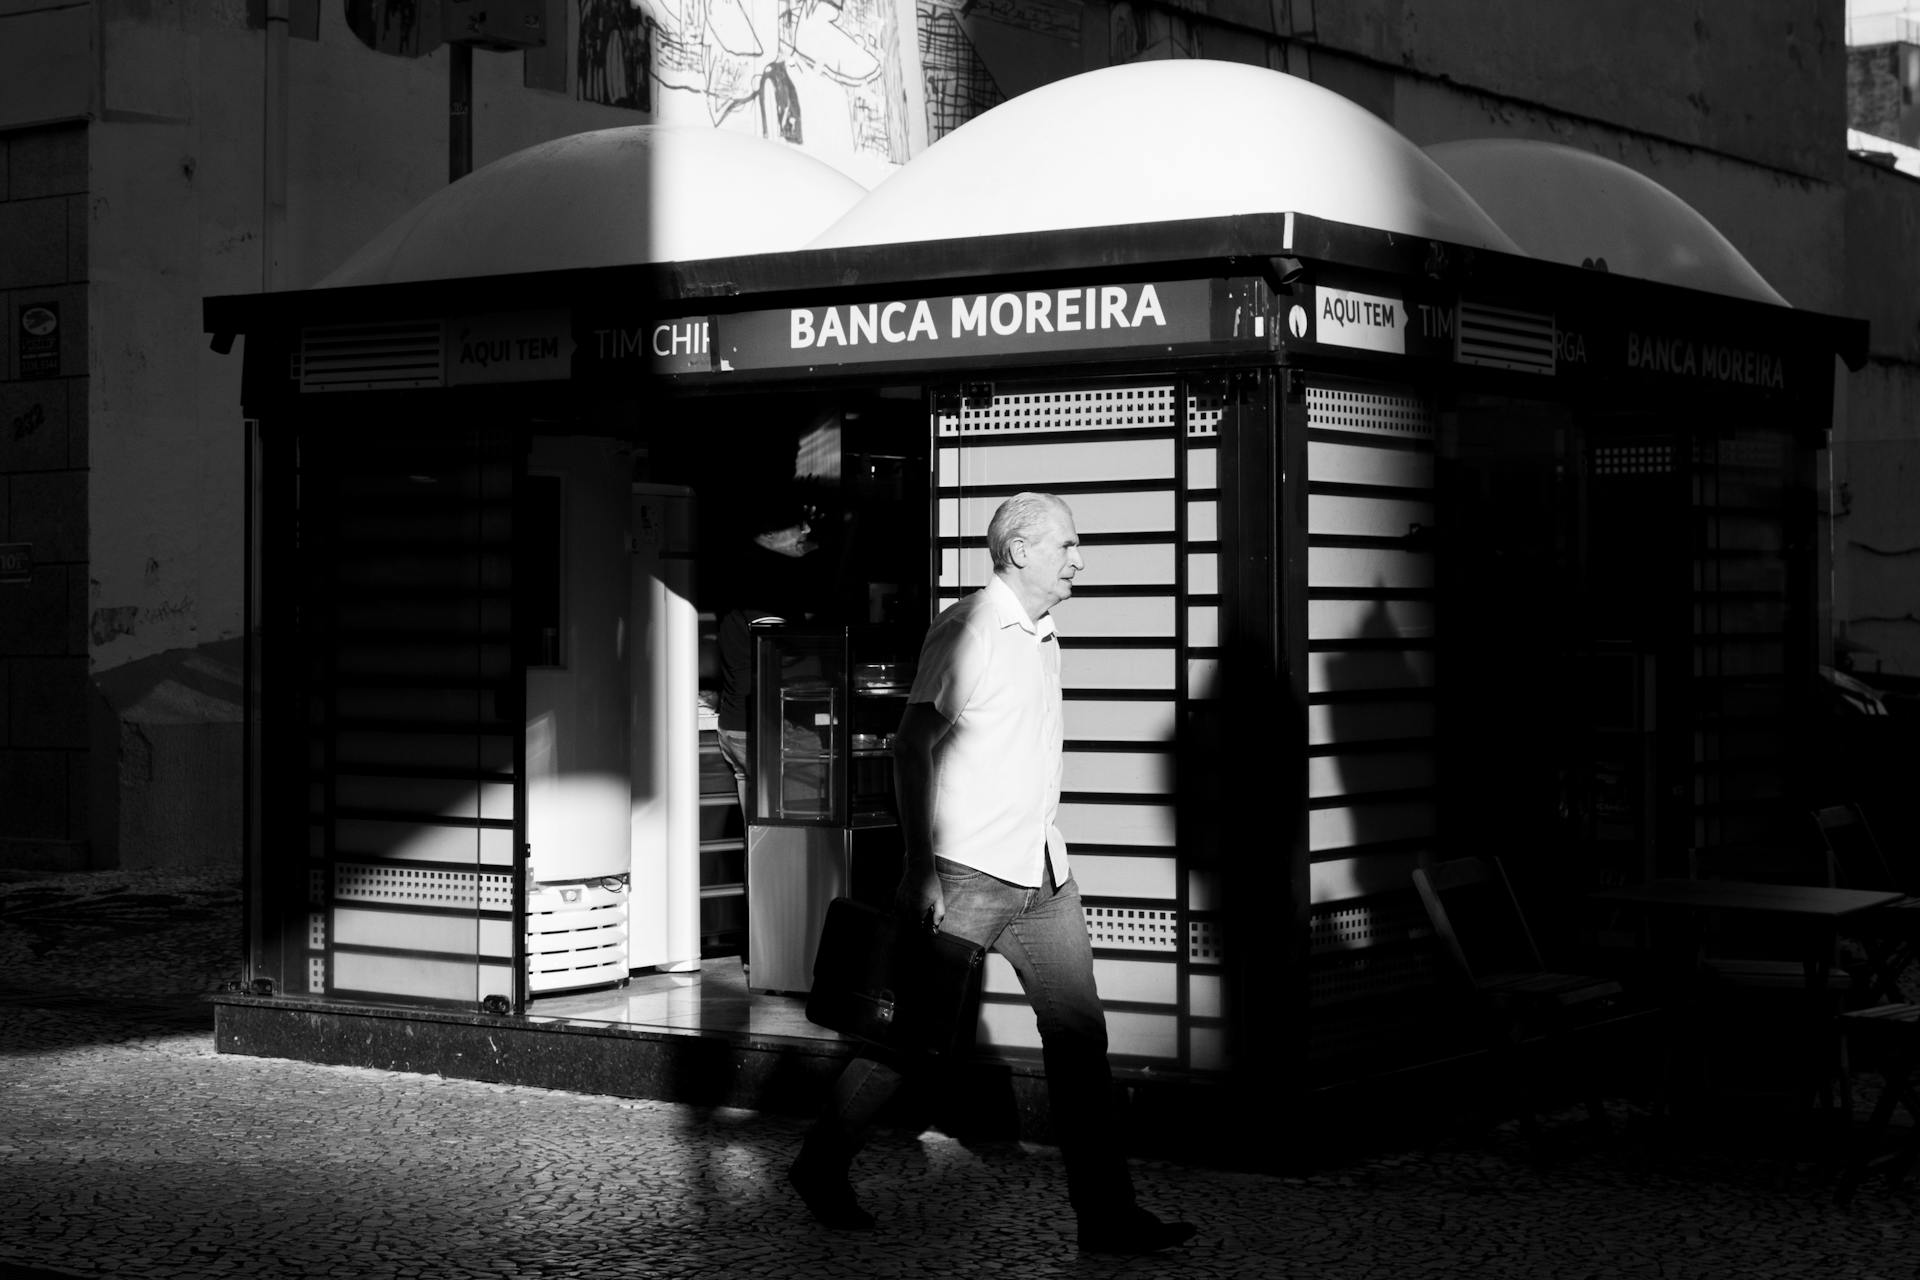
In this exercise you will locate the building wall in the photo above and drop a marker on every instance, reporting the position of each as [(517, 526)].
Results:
[(1876, 460), (44, 441), (1758, 82), (1882, 82)]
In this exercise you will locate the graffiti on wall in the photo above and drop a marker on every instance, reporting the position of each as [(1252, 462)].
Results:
[(612, 55), (823, 74), (959, 86), (1141, 32)]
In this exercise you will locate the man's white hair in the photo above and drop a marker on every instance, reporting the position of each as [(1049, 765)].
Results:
[(1021, 516)]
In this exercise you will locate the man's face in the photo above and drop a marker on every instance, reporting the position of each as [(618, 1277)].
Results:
[(1049, 557)]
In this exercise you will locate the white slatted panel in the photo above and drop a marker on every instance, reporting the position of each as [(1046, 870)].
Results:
[(1342, 619), (1093, 513), (1203, 468), (1370, 671), (1128, 981), (1370, 627), (1121, 720), (420, 978), (487, 937), (1114, 669), (1108, 875), (1207, 1048), (1108, 565), (1041, 466), (425, 842), (1203, 626), (1119, 772), (1130, 1034), (1370, 722), (1743, 517), (1148, 824), (425, 796), (412, 787), (1120, 455), (1203, 675)]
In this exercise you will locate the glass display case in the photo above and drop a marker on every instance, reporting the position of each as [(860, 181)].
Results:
[(827, 703)]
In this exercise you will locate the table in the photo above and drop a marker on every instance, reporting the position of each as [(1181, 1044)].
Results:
[(1806, 902), (1818, 911)]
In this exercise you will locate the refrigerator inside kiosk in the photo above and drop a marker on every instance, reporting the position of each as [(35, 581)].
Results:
[(827, 702), (612, 731), (577, 929), (664, 723)]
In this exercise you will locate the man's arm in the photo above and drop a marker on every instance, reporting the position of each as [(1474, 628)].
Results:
[(922, 727)]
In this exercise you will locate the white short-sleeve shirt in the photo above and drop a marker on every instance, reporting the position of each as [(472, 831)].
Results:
[(995, 674)]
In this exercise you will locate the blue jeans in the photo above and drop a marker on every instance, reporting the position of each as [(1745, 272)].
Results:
[(1043, 934), (733, 747)]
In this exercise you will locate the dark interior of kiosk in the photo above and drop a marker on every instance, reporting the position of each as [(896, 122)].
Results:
[(1625, 598), (852, 465)]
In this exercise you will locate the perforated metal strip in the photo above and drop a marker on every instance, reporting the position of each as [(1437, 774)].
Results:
[(1084, 409), (1133, 928), (1204, 942), (1636, 458), (423, 887), (1371, 948), (1380, 413), (1204, 411)]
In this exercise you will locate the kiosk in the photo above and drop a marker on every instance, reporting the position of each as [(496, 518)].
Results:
[(1419, 520)]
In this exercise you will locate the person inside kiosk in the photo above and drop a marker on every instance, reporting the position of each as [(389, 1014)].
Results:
[(977, 774)]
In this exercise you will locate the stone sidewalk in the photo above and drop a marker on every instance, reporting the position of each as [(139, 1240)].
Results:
[(130, 1149)]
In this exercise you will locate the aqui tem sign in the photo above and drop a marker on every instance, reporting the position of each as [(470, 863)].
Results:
[(16, 561), (1368, 321), (529, 347)]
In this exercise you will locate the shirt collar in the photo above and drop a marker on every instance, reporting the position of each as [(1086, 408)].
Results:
[(1008, 612)]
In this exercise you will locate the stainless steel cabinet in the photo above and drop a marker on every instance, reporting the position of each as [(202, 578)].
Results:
[(826, 705)]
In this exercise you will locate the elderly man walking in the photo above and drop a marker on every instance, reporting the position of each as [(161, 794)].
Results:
[(977, 773)]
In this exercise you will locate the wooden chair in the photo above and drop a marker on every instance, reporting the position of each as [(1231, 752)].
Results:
[(1888, 1037), (1891, 936), (1530, 1012)]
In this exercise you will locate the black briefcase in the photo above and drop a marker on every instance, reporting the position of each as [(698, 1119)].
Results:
[(880, 979)]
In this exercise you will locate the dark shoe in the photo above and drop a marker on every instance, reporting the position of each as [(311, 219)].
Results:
[(828, 1195), (1134, 1231)]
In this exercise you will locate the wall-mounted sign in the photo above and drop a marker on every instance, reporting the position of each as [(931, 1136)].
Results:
[(1406, 321), (1574, 336), (16, 561), (665, 346), (1707, 360), (38, 339), (1368, 321), (975, 325), (529, 347)]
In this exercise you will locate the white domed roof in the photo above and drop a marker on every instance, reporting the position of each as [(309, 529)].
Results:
[(1567, 205), (641, 193), (1160, 141)]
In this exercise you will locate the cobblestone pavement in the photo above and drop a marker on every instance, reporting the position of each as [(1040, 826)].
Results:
[(128, 1148)]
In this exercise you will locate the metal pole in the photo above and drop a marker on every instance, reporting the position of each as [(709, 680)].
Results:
[(459, 111), (273, 148)]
